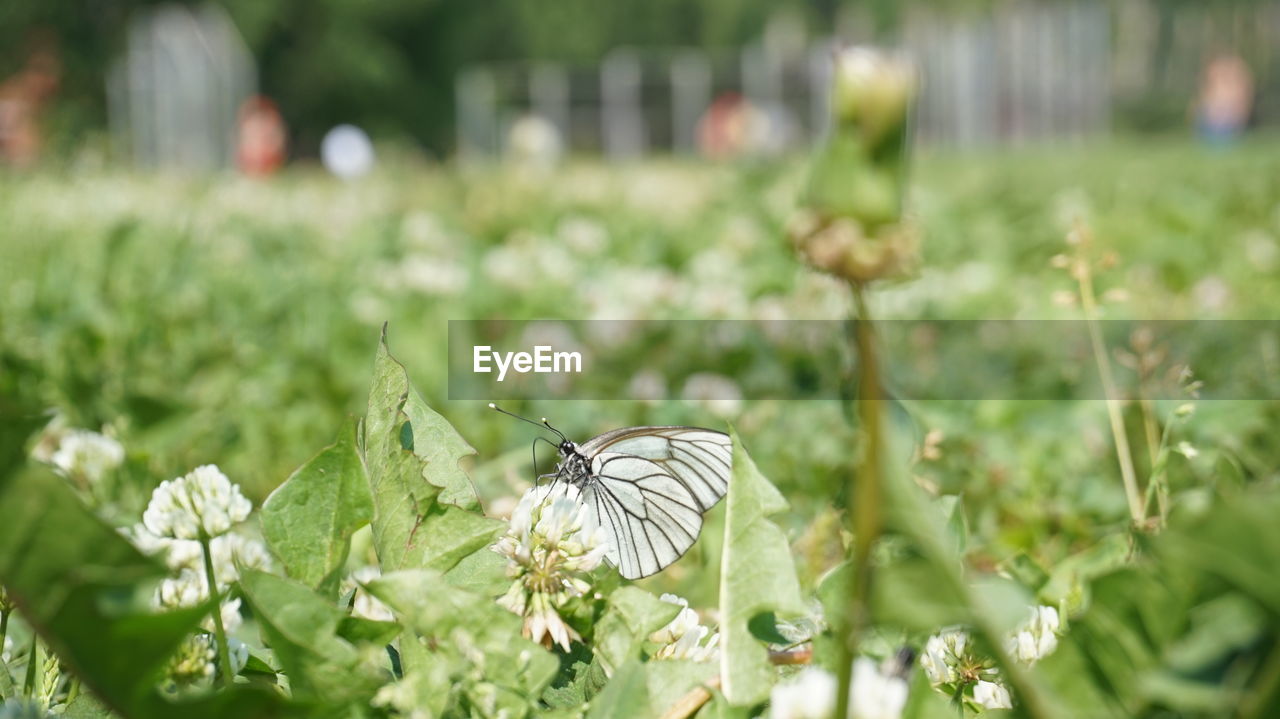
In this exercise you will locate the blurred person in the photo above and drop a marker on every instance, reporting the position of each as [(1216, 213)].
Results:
[(732, 126), (1225, 100), (263, 139), (23, 98)]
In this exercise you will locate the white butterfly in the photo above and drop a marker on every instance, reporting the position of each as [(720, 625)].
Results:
[(647, 487)]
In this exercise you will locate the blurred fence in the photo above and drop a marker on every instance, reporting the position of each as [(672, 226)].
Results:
[(1024, 72), (174, 96)]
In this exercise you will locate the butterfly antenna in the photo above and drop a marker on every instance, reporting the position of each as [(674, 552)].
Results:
[(526, 419), (553, 429)]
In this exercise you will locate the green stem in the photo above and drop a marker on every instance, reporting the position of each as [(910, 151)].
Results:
[(865, 491), (73, 690), (1127, 474), (220, 634), (29, 683), (4, 626)]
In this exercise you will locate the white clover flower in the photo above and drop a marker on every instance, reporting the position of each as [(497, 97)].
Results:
[(943, 656), (682, 637), (550, 543), (990, 695), (875, 693), (201, 504), (810, 694), (86, 456), (365, 604), (1036, 638)]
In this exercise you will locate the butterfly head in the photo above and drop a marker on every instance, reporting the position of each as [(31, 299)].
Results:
[(567, 448)]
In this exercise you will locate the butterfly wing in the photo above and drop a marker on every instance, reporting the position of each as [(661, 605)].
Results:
[(698, 458), (650, 516)]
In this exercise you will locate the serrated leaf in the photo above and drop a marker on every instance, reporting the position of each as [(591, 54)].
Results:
[(309, 519), (632, 615), (757, 575), (411, 528)]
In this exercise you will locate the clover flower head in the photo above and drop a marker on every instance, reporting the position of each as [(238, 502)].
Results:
[(943, 656), (1036, 638), (551, 542), (682, 637), (86, 456), (198, 505)]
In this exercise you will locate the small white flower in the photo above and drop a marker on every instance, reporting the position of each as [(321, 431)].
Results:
[(238, 652), (1037, 637), (682, 637), (990, 695), (201, 503), (86, 456), (874, 693), (1186, 449), (942, 657), (810, 694), (550, 543)]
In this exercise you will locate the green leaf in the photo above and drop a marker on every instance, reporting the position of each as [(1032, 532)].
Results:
[(447, 619), (87, 591), (82, 587), (632, 615), (441, 449), (309, 519), (756, 575), (302, 629), (359, 629), (6, 682), (670, 680), (626, 694), (411, 528), (581, 677)]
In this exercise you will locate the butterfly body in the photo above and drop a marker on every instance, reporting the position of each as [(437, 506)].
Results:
[(648, 488)]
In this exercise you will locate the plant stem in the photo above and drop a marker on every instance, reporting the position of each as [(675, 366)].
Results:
[(29, 683), (865, 492), (220, 634), (1089, 304), (1154, 447), (4, 626)]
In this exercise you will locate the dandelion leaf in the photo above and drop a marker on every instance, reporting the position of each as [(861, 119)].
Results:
[(413, 525)]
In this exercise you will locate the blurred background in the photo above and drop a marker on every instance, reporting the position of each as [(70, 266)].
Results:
[(215, 85), (208, 211)]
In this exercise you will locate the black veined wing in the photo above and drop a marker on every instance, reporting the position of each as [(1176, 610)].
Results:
[(648, 489), (698, 458)]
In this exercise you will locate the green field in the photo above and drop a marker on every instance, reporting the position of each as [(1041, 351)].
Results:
[(235, 322)]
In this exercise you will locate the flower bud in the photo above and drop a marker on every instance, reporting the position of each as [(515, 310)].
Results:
[(873, 90)]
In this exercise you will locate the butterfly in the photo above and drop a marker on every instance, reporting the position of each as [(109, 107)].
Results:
[(647, 487)]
